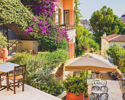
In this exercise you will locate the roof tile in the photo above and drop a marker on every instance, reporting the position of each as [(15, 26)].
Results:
[(114, 38)]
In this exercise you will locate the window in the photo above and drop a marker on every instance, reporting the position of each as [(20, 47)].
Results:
[(1, 28), (66, 16)]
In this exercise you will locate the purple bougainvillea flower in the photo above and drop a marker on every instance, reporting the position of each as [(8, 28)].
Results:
[(60, 36), (34, 24), (69, 50), (34, 19), (30, 29), (45, 25)]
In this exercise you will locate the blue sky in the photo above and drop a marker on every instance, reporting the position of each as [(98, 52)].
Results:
[(89, 6)]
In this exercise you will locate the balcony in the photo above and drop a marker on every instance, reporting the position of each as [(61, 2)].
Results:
[(68, 27)]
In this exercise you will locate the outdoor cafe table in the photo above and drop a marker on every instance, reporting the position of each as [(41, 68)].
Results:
[(99, 85), (6, 68), (97, 80), (92, 74), (98, 92)]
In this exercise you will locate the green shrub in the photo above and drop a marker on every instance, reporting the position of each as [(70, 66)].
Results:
[(114, 51), (55, 58), (3, 41), (44, 81), (76, 85), (39, 67)]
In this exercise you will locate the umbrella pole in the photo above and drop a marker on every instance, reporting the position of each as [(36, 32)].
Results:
[(86, 75), (79, 73)]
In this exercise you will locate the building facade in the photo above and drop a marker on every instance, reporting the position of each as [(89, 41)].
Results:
[(122, 18), (107, 41), (24, 42), (65, 17)]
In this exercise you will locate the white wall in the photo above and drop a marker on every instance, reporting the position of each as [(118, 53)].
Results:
[(71, 33), (104, 46), (118, 43), (25, 45)]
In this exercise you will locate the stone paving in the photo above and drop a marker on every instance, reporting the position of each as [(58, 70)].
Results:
[(114, 90), (29, 93)]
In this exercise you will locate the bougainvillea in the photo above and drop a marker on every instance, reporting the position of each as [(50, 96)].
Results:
[(43, 26)]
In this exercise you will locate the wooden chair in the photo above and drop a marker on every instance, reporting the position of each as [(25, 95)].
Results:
[(1, 79), (2, 55), (18, 77)]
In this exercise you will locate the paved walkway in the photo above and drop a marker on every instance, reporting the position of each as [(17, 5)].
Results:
[(29, 93), (114, 90)]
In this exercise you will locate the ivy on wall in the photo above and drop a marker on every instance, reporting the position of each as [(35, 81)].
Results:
[(13, 11)]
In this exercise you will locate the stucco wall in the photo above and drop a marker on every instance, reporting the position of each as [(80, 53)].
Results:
[(71, 33), (68, 4), (60, 3), (118, 43), (35, 46), (25, 45), (104, 46)]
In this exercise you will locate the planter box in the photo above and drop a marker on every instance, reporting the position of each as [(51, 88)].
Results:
[(86, 98), (72, 96)]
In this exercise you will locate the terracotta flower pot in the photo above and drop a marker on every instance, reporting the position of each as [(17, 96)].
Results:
[(86, 98), (72, 96), (6, 52)]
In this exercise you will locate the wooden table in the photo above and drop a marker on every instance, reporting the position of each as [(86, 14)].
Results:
[(6, 68)]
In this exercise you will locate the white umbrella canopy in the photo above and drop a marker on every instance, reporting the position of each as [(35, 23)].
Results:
[(88, 62)]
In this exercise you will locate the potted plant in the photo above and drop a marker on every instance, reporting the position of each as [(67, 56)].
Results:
[(86, 96), (3, 44), (75, 87)]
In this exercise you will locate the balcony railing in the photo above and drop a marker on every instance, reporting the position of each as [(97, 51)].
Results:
[(68, 27)]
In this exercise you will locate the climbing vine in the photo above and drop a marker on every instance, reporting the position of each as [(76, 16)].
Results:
[(13, 11)]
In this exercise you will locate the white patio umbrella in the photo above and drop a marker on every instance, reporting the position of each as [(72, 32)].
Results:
[(88, 62)]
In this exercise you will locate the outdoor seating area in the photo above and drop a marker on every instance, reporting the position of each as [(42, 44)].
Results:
[(14, 75), (122, 86), (99, 90)]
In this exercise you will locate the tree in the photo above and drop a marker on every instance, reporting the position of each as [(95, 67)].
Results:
[(117, 22), (78, 15), (102, 22), (115, 52)]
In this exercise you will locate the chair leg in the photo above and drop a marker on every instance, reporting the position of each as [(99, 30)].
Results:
[(18, 84), (23, 86), (14, 88)]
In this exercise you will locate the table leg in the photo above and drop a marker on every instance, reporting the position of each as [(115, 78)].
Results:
[(98, 97), (0, 81), (7, 81)]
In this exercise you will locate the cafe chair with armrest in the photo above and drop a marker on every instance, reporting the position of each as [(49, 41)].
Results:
[(103, 97), (104, 89), (1, 79), (18, 77), (93, 96)]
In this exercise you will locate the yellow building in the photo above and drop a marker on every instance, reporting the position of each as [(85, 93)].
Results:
[(107, 41)]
